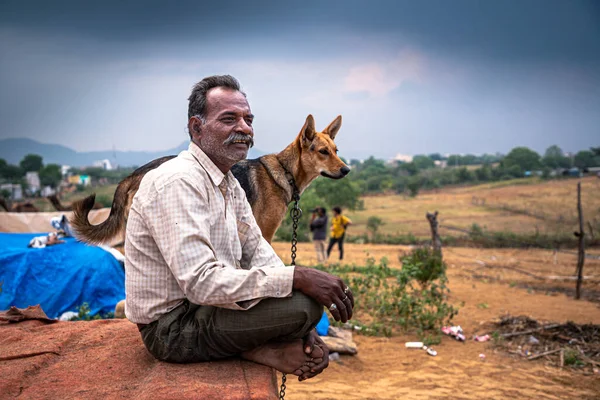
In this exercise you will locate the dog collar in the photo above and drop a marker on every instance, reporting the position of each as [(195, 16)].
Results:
[(292, 182)]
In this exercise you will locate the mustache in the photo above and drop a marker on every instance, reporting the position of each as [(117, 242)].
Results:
[(239, 137)]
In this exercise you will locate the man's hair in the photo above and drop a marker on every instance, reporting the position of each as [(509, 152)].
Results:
[(337, 210), (197, 100)]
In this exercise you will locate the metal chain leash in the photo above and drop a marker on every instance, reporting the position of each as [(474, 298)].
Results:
[(283, 387), (296, 213)]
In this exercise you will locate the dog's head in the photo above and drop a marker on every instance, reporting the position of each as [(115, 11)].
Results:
[(319, 152)]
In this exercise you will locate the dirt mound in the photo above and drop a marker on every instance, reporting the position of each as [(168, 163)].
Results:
[(106, 359)]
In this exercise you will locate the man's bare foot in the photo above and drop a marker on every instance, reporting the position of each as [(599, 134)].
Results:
[(286, 357)]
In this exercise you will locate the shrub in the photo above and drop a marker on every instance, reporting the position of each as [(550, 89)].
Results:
[(373, 224), (413, 298), (83, 314), (425, 265)]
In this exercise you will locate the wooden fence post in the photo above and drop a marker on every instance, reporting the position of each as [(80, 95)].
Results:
[(436, 242), (581, 236)]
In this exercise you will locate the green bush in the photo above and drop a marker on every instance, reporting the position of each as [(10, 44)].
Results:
[(373, 224), (425, 265), (413, 298), (571, 357), (83, 314)]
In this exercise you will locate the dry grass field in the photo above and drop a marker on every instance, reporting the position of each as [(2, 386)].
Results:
[(485, 284), (403, 215)]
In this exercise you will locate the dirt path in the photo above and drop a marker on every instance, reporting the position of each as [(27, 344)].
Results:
[(384, 369)]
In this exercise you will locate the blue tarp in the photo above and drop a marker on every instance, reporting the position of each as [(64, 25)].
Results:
[(60, 278)]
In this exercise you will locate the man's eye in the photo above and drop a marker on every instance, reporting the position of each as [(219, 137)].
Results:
[(228, 119), (324, 152), (249, 121)]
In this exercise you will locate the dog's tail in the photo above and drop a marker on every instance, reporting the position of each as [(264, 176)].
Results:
[(119, 210), (105, 231)]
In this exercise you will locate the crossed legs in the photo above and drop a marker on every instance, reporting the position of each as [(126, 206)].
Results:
[(270, 333)]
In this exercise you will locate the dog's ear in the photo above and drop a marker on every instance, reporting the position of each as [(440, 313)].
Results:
[(333, 127), (308, 130)]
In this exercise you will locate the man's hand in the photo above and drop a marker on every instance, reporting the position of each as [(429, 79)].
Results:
[(327, 290)]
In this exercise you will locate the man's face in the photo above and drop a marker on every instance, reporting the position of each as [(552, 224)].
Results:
[(227, 134)]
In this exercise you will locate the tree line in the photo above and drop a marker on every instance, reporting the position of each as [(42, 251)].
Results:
[(373, 176), (50, 174), (376, 176)]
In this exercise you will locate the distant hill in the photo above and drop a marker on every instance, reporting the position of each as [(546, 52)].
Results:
[(13, 151)]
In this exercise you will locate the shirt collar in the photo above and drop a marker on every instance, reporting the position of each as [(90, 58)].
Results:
[(215, 174)]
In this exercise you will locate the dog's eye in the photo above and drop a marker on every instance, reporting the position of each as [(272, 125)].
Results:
[(324, 152)]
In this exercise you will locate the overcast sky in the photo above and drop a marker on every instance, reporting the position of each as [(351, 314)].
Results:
[(407, 77)]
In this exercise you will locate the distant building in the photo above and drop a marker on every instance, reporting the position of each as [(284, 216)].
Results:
[(33, 181), (79, 180), (15, 190), (47, 191), (402, 158), (64, 170), (104, 164), (574, 172), (441, 163)]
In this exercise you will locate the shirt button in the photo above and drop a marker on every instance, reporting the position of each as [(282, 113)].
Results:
[(277, 293)]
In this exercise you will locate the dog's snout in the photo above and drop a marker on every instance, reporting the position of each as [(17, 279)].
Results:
[(345, 169)]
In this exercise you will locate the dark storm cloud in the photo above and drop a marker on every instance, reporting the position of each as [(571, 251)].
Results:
[(503, 31), (478, 76)]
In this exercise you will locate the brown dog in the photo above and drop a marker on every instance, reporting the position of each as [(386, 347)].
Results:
[(268, 181)]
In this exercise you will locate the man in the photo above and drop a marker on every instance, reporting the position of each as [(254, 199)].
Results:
[(201, 282), (338, 231), (318, 227)]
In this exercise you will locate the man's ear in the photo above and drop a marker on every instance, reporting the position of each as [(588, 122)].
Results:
[(333, 128), (194, 126), (308, 130)]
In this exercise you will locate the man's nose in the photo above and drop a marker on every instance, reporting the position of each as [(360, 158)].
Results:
[(245, 128)]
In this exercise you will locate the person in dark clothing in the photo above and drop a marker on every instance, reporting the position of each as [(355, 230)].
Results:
[(318, 227), (338, 231)]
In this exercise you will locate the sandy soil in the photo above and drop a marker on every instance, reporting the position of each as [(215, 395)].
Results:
[(485, 289)]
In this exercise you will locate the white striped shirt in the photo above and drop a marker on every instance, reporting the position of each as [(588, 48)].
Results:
[(185, 239)]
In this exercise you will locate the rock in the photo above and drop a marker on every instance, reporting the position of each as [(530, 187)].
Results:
[(340, 333), (106, 359), (120, 309), (340, 341)]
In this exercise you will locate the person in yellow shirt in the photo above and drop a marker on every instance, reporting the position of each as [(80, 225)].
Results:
[(338, 231)]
